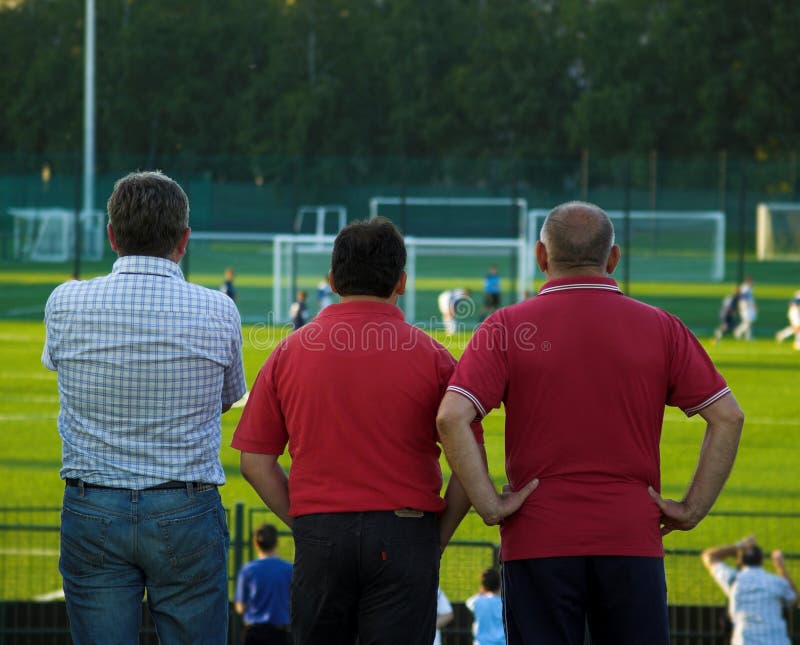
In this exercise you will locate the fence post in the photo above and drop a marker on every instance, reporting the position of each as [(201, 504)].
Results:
[(239, 543)]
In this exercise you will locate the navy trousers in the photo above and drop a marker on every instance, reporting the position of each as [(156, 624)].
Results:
[(551, 600)]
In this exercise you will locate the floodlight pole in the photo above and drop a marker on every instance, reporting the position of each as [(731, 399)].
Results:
[(88, 108)]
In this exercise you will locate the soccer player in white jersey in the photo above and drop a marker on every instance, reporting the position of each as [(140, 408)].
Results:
[(793, 329), (449, 302), (748, 311)]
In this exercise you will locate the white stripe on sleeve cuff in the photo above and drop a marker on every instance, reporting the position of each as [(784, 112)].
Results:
[(465, 393), (695, 409)]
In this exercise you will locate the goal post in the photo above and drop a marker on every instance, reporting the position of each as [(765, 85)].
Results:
[(778, 231), (663, 245), (433, 265)]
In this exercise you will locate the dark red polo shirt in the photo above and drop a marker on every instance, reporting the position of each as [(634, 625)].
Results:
[(584, 373), (354, 393)]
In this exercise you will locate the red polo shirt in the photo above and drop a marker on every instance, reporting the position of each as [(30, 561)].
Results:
[(354, 393), (584, 373)]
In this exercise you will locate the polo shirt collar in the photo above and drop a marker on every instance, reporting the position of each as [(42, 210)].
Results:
[(147, 264), (580, 282), (361, 308)]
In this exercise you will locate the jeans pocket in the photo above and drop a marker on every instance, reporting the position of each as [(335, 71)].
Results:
[(83, 538), (195, 544)]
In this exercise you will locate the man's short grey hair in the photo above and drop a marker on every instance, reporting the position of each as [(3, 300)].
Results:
[(577, 234)]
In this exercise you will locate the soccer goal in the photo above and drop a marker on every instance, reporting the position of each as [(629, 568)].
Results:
[(685, 246), (434, 265), (48, 234), (778, 231), (320, 215)]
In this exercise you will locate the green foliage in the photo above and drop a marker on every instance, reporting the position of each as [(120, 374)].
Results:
[(471, 78)]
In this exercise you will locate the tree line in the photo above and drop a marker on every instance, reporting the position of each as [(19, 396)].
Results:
[(476, 79)]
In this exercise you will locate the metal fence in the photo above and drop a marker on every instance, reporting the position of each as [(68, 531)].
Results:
[(32, 608)]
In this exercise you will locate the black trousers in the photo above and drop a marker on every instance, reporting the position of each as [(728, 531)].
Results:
[(366, 575), (551, 600), (265, 634)]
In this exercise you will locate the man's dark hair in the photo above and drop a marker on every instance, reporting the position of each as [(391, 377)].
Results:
[(148, 213), (368, 258), (752, 556), (577, 235), (490, 580), (266, 537)]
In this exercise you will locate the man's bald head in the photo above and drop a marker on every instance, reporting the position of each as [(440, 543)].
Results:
[(577, 236)]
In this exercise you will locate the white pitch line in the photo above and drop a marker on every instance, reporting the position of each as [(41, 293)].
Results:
[(58, 594), (36, 552), (28, 417)]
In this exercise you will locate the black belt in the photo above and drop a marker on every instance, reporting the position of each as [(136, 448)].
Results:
[(174, 485)]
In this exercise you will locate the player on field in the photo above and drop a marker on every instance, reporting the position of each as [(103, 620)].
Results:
[(584, 374), (324, 293), (748, 311), (793, 314), (492, 291), (449, 307), (727, 315)]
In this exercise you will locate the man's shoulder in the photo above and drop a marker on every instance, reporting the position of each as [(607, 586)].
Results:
[(213, 298)]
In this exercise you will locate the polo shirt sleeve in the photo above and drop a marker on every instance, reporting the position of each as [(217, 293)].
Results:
[(262, 428), (694, 382), (447, 365), (482, 372)]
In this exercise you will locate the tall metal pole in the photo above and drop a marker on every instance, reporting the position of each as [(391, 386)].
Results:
[(88, 109)]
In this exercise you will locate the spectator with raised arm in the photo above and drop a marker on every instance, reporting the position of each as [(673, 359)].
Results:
[(756, 598)]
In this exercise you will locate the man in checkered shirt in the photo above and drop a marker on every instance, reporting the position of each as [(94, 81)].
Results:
[(757, 598), (146, 364)]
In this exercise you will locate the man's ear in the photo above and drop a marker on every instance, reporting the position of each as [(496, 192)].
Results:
[(400, 287), (111, 238), (184, 240), (330, 282), (613, 259), (541, 256)]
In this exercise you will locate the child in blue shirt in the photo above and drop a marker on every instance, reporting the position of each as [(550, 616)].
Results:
[(487, 607)]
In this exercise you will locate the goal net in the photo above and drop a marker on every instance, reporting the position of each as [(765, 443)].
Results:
[(685, 246), (778, 231), (434, 265), (48, 234)]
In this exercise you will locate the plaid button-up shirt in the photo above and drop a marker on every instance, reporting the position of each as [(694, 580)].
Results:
[(145, 362)]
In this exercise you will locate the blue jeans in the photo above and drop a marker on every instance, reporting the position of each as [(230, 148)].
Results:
[(115, 543), (366, 575)]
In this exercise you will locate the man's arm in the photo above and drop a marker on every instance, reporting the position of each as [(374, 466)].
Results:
[(724, 420), (714, 554), (466, 459), (780, 567), (268, 479), (239, 607), (457, 507)]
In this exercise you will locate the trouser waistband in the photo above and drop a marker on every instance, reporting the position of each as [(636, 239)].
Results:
[(171, 485)]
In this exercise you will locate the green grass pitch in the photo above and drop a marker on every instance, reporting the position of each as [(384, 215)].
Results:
[(766, 479)]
